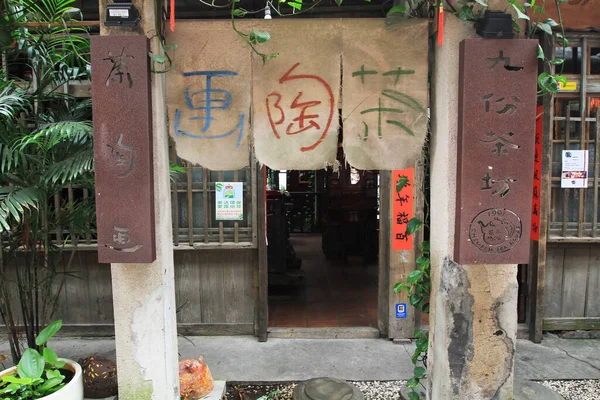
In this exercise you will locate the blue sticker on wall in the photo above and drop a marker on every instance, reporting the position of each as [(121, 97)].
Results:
[(401, 310)]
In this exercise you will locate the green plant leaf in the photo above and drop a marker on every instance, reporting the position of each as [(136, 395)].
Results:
[(419, 372), (481, 3), (557, 61), (399, 286), (397, 9), (421, 260), (50, 356), (425, 246), (50, 384), (53, 373), (48, 332), (520, 14), (263, 37), (169, 47), (547, 82), (31, 364), (401, 183), (413, 396), (516, 5), (239, 13), (177, 168), (412, 382), (16, 379), (413, 225), (339, 2), (561, 79), (551, 22), (415, 299), (560, 37), (545, 27), (257, 36), (157, 58), (540, 53), (414, 276)]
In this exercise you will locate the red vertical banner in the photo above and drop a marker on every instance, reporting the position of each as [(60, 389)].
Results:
[(402, 208), (537, 174)]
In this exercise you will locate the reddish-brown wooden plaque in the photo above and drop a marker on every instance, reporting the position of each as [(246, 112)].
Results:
[(123, 149), (496, 134)]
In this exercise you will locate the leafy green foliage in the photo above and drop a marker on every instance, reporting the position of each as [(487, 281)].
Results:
[(413, 225), (37, 376), (401, 183), (45, 146), (163, 60), (397, 9), (472, 10), (418, 288)]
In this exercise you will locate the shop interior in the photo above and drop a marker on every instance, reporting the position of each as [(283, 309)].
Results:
[(323, 245)]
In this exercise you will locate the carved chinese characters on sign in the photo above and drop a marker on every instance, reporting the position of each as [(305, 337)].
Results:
[(495, 150), (123, 149), (208, 97), (384, 94), (295, 97)]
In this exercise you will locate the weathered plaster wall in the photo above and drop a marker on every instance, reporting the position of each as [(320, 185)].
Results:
[(473, 317)]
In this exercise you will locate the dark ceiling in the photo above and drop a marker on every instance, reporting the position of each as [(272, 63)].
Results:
[(194, 9)]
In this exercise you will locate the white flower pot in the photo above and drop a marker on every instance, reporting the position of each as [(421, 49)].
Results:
[(71, 391)]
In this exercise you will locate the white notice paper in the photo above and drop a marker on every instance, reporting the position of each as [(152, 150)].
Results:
[(574, 169), (229, 197)]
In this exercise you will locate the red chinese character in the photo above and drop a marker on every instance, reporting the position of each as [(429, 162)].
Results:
[(305, 119)]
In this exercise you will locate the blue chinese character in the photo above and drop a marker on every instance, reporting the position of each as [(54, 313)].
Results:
[(207, 101)]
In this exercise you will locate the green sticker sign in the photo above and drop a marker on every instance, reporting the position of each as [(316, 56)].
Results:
[(229, 201)]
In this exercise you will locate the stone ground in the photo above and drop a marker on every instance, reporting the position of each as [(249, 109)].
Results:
[(244, 359)]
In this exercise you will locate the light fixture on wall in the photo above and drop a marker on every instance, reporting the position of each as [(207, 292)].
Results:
[(267, 11), (495, 25), (121, 13)]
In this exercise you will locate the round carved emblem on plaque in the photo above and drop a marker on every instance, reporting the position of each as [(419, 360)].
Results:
[(495, 230)]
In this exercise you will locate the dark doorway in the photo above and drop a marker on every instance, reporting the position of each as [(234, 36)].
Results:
[(323, 239)]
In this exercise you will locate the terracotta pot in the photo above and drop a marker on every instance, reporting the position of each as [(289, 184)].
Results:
[(71, 391)]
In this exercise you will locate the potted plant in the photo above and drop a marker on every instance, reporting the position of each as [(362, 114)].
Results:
[(41, 374)]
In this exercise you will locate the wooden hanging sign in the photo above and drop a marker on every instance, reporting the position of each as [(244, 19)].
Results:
[(496, 135), (123, 149)]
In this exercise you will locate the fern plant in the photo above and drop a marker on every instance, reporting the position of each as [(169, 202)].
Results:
[(45, 146)]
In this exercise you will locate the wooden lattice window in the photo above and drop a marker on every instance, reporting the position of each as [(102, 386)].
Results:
[(574, 212), (193, 208)]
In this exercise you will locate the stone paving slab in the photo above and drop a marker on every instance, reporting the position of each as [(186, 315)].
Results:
[(243, 358), (557, 358)]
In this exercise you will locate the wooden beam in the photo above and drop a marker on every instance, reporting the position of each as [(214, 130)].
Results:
[(324, 333), (385, 232), (69, 24), (215, 329), (262, 279), (571, 324)]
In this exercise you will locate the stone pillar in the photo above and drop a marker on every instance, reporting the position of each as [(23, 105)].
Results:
[(473, 321), (144, 294)]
